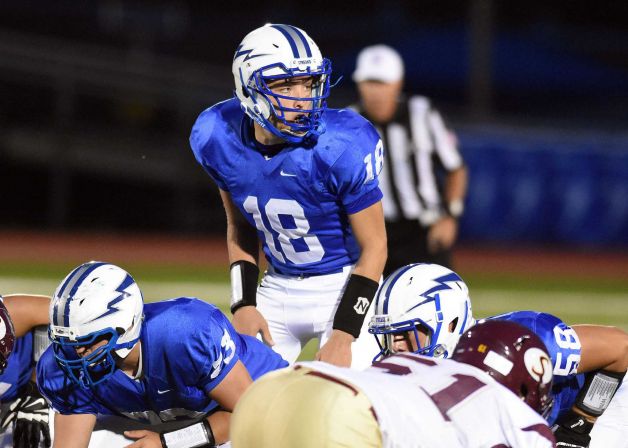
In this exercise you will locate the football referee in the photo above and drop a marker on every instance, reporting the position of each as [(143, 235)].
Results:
[(424, 177)]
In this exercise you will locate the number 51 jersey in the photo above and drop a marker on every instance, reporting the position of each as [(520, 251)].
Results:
[(427, 402), (297, 196)]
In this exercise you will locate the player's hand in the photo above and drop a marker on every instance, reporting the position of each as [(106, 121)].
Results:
[(248, 320), (337, 349), (29, 415), (145, 439), (442, 234), (572, 431)]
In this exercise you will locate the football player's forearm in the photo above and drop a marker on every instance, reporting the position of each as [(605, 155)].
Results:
[(27, 311), (242, 241), (373, 256), (242, 245), (371, 262), (73, 431), (370, 233), (219, 422)]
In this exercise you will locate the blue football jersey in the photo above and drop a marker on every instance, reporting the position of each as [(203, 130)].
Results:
[(19, 368), (564, 349), (188, 347), (297, 198)]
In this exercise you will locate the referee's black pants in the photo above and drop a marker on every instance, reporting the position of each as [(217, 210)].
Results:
[(407, 243)]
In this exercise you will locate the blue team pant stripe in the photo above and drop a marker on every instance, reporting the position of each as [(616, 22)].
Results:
[(308, 51), (80, 278), (290, 37)]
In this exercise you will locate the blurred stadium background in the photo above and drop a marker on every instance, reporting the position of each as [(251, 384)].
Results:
[(97, 100)]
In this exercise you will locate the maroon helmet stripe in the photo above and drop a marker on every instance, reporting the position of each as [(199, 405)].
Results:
[(335, 380)]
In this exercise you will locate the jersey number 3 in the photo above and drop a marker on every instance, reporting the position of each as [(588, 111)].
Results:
[(287, 207)]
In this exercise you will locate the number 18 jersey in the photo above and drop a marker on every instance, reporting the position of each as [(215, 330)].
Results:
[(297, 196)]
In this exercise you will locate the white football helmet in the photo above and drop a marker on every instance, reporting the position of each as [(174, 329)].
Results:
[(426, 297), (277, 51), (95, 302)]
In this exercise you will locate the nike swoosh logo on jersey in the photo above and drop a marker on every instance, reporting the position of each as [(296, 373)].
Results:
[(160, 392), (283, 173)]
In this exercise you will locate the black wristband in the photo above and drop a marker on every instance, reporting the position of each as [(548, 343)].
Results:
[(189, 436), (354, 304), (244, 275)]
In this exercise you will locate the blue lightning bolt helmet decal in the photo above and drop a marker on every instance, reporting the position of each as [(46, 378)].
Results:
[(111, 308), (427, 301)]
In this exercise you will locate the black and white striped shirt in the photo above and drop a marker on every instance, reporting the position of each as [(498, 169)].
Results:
[(417, 147)]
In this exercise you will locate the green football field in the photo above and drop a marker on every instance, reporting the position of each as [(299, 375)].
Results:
[(575, 300)]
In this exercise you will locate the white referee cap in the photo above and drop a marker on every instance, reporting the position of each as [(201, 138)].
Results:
[(378, 63)]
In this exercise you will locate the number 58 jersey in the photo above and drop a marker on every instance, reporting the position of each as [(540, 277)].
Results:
[(564, 348), (298, 197)]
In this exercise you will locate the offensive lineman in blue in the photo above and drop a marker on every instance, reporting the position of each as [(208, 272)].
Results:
[(302, 178), (161, 362), (424, 308)]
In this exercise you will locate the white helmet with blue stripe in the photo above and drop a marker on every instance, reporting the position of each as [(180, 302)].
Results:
[(96, 302), (276, 51), (426, 298)]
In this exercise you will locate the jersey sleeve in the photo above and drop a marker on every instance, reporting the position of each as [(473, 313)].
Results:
[(63, 396), (202, 147), (209, 354), (354, 175)]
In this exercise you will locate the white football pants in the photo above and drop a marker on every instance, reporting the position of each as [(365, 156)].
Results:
[(299, 309)]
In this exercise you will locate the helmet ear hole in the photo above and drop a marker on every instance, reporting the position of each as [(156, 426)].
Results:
[(453, 324)]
